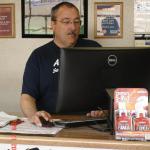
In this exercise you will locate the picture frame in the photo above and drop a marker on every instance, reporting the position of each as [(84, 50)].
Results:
[(7, 20), (36, 17), (108, 20)]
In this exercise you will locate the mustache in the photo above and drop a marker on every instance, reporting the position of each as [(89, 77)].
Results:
[(72, 33)]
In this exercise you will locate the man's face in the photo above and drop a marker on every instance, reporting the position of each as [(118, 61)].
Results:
[(66, 27)]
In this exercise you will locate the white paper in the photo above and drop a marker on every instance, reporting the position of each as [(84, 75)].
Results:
[(26, 147), (5, 118), (28, 128)]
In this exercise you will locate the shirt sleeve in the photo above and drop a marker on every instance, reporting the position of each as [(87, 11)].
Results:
[(31, 77)]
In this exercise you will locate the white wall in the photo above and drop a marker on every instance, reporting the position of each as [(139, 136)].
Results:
[(14, 52)]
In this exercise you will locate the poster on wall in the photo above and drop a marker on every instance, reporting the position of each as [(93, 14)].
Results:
[(7, 20), (108, 21), (142, 16), (142, 23), (36, 17)]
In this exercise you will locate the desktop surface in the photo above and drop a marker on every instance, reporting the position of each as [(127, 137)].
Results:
[(84, 137)]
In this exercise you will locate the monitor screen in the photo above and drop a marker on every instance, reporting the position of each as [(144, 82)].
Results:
[(85, 72)]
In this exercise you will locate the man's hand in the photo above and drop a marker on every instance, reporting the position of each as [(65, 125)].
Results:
[(36, 117), (28, 105), (98, 113)]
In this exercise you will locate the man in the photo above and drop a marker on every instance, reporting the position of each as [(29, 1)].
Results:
[(39, 82)]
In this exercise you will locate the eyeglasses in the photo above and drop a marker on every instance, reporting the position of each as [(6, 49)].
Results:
[(67, 21)]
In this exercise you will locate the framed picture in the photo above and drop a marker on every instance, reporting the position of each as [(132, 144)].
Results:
[(36, 17), (7, 20), (108, 21)]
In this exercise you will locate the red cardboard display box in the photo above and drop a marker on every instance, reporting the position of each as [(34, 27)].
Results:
[(131, 114)]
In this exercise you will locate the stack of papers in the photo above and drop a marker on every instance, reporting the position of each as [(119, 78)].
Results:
[(25, 127), (28, 128), (5, 118)]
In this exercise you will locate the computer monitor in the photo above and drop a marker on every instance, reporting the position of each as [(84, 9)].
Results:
[(85, 72)]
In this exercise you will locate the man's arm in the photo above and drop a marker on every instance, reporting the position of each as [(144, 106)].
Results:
[(28, 106)]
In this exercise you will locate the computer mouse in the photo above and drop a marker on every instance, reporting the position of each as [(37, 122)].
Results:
[(46, 123)]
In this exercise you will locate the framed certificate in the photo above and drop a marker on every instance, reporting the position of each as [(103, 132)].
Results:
[(7, 20), (108, 21)]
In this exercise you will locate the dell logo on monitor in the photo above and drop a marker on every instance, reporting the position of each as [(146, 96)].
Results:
[(112, 60)]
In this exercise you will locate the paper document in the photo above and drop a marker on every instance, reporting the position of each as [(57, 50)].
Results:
[(40, 147), (28, 128), (5, 118)]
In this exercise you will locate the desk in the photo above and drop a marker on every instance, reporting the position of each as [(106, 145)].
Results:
[(77, 137)]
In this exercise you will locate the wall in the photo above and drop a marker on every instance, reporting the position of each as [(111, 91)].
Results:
[(15, 51)]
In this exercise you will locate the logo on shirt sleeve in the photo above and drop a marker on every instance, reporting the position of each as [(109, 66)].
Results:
[(56, 66)]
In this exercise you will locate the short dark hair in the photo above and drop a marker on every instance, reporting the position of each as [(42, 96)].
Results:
[(56, 8)]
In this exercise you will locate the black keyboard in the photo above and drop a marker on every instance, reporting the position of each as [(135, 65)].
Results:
[(81, 122)]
